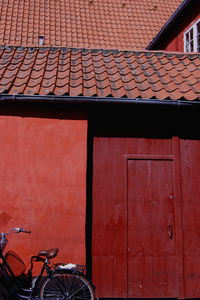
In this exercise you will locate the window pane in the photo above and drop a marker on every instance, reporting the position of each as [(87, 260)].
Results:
[(198, 37), (198, 28), (191, 46), (191, 34), (187, 48), (187, 37)]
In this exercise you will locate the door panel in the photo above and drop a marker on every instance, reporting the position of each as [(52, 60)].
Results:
[(109, 240), (151, 229)]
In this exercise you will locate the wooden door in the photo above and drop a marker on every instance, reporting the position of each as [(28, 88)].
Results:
[(136, 230), (151, 229)]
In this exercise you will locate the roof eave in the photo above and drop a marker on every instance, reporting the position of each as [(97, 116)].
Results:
[(93, 100)]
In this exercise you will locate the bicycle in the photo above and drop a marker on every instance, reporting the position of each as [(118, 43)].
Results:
[(62, 281)]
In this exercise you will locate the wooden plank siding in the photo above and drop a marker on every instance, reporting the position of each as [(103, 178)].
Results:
[(127, 172), (190, 179), (146, 195)]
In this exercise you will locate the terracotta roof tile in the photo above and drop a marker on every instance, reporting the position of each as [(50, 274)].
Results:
[(110, 24), (101, 73)]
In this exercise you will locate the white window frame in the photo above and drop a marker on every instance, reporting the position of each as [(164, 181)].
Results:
[(195, 42)]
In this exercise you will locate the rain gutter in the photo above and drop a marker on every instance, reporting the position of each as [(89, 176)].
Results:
[(93, 100), (172, 19)]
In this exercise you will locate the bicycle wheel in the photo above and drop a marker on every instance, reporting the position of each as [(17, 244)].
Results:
[(67, 286)]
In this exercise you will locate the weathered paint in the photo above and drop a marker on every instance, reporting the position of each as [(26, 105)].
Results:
[(43, 184)]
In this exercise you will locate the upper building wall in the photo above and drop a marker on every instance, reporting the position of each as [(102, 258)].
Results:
[(172, 35), (177, 43), (99, 24)]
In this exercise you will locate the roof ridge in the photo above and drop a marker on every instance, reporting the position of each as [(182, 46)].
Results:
[(142, 51)]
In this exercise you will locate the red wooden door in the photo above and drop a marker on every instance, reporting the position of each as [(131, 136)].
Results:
[(151, 229), (135, 236)]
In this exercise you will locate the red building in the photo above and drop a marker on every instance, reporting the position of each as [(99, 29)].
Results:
[(100, 147), (181, 32)]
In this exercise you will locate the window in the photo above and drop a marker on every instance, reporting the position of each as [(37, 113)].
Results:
[(192, 38)]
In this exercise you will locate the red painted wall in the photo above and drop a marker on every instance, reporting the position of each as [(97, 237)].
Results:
[(43, 184), (177, 43)]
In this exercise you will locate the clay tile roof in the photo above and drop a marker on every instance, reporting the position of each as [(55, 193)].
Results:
[(99, 73), (94, 24)]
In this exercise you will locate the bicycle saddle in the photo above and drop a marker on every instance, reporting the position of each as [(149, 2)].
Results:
[(49, 253)]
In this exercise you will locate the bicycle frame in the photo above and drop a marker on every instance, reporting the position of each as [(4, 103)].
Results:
[(6, 276), (9, 278), (18, 285)]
